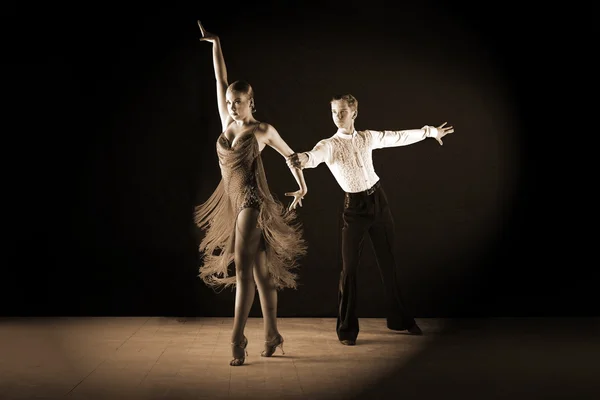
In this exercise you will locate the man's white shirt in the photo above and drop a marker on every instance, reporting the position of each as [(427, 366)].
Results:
[(349, 157)]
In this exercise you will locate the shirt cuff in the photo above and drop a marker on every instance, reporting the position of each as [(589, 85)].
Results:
[(431, 131), (309, 158)]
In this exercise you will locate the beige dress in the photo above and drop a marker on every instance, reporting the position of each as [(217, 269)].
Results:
[(244, 184)]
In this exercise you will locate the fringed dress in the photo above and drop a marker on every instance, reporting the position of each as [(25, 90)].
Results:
[(244, 184)]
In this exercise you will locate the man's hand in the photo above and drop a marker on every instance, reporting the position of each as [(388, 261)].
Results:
[(443, 130), (297, 160), (207, 36), (298, 197)]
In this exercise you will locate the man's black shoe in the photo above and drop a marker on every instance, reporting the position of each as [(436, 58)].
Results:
[(415, 330)]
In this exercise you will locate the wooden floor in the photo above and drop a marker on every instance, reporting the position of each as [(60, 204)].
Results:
[(169, 358)]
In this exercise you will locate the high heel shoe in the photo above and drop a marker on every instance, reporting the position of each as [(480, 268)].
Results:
[(239, 352), (271, 346)]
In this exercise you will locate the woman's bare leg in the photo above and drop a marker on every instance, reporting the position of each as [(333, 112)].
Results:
[(247, 240), (267, 294)]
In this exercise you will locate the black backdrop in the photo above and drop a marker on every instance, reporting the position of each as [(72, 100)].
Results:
[(112, 121)]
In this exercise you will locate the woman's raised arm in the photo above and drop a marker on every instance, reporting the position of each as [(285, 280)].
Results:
[(220, 74)]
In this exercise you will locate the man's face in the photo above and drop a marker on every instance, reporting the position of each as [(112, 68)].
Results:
[(343, 116)]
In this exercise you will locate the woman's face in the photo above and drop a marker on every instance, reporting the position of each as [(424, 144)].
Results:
[(238, 104)]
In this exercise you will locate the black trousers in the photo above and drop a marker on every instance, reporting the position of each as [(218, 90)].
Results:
[(364, 214)]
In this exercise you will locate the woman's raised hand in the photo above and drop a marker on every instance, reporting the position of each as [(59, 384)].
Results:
[(206, 35)]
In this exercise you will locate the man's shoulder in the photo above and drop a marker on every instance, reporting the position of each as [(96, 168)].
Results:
[(366, 134), (328, 140)]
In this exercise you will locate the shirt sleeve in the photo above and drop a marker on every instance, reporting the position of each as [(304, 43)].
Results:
[(382, 139), (320, 153)]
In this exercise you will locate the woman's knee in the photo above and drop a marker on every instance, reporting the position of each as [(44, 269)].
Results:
[(264, 281), (244, 274)]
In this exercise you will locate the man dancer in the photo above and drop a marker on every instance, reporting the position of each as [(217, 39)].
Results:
[(348, 154)]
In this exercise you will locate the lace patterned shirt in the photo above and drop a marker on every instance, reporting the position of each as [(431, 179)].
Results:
[(349, 157)]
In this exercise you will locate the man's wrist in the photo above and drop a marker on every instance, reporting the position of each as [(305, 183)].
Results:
[(293, 161), (431, 131)]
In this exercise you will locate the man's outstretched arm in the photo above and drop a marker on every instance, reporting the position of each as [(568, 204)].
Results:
[(409, 136)]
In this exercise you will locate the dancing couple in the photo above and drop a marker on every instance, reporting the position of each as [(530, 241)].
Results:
[(245, 225)]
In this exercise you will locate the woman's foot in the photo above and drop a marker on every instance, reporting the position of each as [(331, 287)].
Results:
[(271, 346), (239, 352)]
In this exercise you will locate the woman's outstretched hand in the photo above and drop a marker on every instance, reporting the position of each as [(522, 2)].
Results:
[(298, 197), (206, 35)]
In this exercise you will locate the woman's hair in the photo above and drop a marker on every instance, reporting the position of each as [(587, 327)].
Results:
[(243, 87), (348, 98)]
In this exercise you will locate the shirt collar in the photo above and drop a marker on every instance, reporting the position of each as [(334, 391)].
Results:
[(344, 136)]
